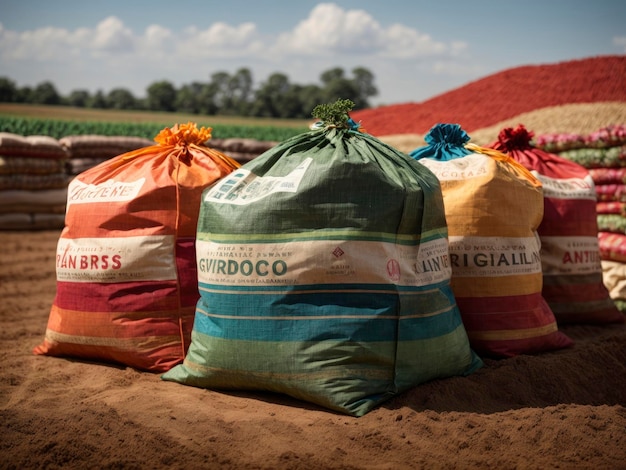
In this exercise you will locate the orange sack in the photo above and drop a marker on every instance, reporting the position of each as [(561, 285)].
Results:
[(125, 263)]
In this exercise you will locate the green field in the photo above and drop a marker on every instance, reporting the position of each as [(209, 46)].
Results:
[(58, 121)]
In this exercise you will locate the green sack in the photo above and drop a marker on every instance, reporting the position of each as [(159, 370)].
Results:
[(324, 275)]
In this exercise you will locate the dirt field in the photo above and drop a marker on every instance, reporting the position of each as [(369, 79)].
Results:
[(564, 409)]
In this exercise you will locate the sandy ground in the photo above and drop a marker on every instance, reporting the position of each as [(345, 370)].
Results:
[(563, 409)]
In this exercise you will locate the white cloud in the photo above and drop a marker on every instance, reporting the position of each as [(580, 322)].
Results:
[(221, 40), (157, 44), (44, 44), (61, 45), (404, 42), (111, 36), (620, 41), (111, 54), (329, 29), (157, 36)]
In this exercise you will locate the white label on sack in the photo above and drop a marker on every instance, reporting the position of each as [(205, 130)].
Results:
[(494, 256), (470, 166), (142, 258), (243, 187), (109, 191), (570, 255), (567, 188), (318, 262)]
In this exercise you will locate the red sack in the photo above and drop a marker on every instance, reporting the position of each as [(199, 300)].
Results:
[(570, 254), (612, 246)]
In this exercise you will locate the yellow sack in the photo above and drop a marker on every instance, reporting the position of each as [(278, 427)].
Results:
[(493, 207)]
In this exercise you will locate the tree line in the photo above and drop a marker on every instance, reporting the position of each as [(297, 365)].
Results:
[(225, 94)]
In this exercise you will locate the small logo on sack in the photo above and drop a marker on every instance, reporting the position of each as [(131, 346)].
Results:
[(393, 270), (338, 252)]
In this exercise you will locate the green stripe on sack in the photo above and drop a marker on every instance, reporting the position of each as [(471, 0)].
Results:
[(329, 373), (336, 234)]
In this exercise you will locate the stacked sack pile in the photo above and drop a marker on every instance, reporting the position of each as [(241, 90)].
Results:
[(35, 171), (33, 182), (241, 149), (87, 151), (603, 153)]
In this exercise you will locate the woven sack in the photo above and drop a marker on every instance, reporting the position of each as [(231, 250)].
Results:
[(493, 208), (570, 253), (324, 275), (101, 146), (614, 275), (47, 200), (126, 272), (608, 175), (37, 146), (590, 157), (612, 246)]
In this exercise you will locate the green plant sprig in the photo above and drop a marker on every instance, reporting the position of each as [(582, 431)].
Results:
[(334, 114)]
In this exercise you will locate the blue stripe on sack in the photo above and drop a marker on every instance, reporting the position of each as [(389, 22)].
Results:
[(268, 318), (263, 302), (416, 300)]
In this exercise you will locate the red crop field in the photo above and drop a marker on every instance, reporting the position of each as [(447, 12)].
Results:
[(503, 95)]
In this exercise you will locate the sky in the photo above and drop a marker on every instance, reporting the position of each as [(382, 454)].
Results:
[(415, 49)]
